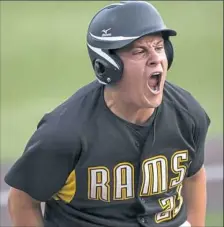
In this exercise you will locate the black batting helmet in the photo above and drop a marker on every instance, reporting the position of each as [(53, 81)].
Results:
[(118, 25)]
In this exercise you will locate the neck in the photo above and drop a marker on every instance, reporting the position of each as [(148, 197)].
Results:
[(124, 109)]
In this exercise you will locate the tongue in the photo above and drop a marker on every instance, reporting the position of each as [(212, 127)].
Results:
[(152, 82)]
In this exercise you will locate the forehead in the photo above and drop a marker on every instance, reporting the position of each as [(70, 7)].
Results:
[(143, 41)]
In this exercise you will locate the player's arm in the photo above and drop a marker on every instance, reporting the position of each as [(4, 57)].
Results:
[(194, 188), (24, 210), (195, 196)]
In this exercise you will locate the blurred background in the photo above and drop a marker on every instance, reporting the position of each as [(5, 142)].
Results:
[(44, 60)]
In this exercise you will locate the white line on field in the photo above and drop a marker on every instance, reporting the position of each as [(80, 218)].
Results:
[(4, 198), (214, 173)]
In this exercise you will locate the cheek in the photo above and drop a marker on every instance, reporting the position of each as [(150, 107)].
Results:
[(132, 72), (134, 69)]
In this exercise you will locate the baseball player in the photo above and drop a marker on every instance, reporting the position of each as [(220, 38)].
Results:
[(126, 150)]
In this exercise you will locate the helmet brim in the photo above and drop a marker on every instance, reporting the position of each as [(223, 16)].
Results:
[(110, 43), (165, 33)]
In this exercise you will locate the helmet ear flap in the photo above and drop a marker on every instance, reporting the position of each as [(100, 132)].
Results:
[(99, 68), (107, 73), (169, 51)]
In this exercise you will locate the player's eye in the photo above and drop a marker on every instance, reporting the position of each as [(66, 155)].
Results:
[(138, 51), (159, 48)]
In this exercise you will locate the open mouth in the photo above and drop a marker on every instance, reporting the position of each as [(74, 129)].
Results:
[(154, 82)]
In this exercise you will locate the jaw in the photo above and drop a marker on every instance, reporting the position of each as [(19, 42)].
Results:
[(153, 101)]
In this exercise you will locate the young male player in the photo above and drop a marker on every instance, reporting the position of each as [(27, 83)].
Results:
[(124, 151)]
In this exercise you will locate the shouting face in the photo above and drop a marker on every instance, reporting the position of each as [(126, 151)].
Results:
[(145, 70)]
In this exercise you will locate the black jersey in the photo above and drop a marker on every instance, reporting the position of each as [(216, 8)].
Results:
[(94, 169)]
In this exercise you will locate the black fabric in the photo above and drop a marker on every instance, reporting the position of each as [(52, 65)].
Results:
[(52, 151), (46, 162), (141, 132), (194, 121), (202, 122)]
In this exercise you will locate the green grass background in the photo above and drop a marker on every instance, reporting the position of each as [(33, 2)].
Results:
[(44, 60)]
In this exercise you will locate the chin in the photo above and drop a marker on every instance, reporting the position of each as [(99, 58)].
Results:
[(154, 105), (153, 102)]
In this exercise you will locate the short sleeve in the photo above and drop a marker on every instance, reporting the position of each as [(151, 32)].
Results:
[(48, 158), (200, 133)]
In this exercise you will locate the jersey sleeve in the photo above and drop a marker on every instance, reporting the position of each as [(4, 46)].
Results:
[(49, 157), (202, 123)]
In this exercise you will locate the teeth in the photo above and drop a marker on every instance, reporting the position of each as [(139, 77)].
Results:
[(155, 74), (154, 90)]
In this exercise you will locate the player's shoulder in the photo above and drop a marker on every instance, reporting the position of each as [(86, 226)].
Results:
[(67, 119), (84, 99), (184, 102)]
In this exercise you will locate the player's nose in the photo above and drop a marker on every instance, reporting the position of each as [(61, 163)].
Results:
[(154, 58)]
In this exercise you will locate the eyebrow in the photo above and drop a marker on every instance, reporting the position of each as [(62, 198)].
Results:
[(140, 45), (160, 41), (131, 46)]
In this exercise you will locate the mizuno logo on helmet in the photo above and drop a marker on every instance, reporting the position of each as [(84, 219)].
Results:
[(104, 31)]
